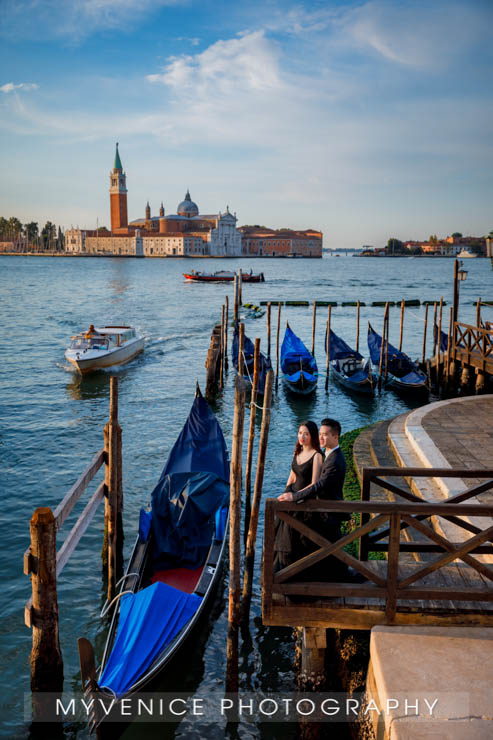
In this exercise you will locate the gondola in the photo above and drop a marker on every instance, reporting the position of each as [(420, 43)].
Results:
[(349, 367), (174, 565), (298, 365), (402, 373), (249, 360)]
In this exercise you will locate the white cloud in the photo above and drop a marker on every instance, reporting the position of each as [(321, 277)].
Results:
[(73, 20), (226, 68), (10, 86), (421, 34)]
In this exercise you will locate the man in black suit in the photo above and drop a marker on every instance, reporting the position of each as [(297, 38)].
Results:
[(329, 487)]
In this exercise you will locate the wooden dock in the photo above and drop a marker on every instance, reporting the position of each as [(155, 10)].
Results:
[(452, 587)]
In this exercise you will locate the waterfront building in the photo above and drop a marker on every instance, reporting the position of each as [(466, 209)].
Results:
[(260, 241), (186, 232)]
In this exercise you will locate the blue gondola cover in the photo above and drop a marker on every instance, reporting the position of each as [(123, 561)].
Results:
[(149, 620), (398, 363), (339, 349), (200, 446), (294, 353), (249, 359), (183, 518)]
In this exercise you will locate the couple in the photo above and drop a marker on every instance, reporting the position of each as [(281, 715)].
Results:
[(317, 472)]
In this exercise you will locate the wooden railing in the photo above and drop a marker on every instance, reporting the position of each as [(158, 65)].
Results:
[(376, 476), (383, 582), (44, 564), (61, 513), (473, 346)]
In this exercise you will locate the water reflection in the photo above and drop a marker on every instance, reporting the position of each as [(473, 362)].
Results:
[(87, 387)]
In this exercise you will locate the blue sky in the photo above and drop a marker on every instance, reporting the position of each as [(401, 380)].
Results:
[(364, 118)]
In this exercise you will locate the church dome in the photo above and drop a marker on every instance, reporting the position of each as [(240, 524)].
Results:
[(187, 207)]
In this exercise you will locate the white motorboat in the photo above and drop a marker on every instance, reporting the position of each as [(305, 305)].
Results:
[(466, 254), (103, 346)]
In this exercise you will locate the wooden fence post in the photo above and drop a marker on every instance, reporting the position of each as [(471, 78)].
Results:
[(257, 495), (46, 656), (114, 493), (234, 538), (251, 437)]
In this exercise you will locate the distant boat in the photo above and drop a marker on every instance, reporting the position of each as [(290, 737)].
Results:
[(466, 254), (349, 367), (402, 373), (249, 360), (103, 346), (222, 276), (298, 365)]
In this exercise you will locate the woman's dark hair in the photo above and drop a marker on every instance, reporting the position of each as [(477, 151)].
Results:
[(313, 432)]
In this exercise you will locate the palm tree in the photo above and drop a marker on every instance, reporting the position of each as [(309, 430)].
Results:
[(31, 231)]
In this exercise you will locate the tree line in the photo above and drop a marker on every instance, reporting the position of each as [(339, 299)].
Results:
[(29, 235)]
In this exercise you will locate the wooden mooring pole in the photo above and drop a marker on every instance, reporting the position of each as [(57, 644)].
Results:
[(46, 656), (240, 287), (435, 305), (251, 438), (234, 538), (423, 359), (235, 299), (241, 345), (358, 305), (226, 319), (277, 342), (223, 346), (327, 363), (439, 342), (268, 328), (480, 378), (257, 495), (114, 494), (402, 325), (380, 364), (314, 323)]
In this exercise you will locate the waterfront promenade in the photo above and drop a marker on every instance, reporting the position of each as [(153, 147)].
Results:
[(453, 664)]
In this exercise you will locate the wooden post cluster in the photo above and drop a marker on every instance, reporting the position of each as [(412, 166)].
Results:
[(234, 537)]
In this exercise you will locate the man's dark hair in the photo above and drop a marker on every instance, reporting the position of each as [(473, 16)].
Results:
[(333, 424)]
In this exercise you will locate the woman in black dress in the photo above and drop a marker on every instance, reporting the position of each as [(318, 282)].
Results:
[(290, 545)]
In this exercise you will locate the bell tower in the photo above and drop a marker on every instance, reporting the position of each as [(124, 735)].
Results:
[(118, 195)]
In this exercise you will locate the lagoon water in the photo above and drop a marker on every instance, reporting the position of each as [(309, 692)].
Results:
[(52, 422)]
